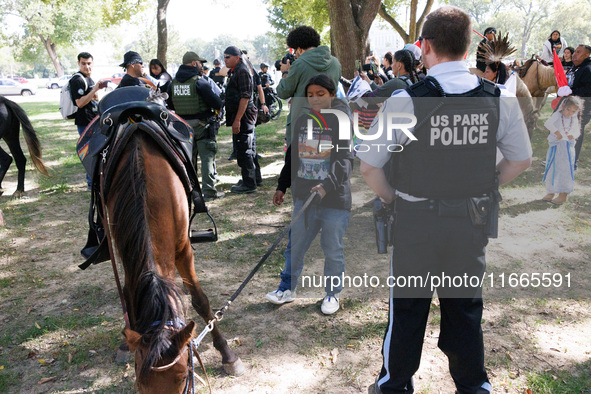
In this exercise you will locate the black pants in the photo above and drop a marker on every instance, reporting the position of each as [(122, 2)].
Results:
[(426, 243), (585, 118), (247, 159)]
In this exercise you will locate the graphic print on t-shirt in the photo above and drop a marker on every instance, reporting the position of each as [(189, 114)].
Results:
[(314, 155)]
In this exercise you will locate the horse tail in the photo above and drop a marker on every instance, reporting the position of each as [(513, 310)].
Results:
[(29, 134), (156, 300)]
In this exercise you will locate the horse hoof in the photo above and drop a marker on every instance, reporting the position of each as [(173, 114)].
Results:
[(235, 369), (18, 194)]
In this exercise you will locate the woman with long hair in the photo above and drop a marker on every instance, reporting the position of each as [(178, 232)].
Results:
[(158, 72), (554, 42)]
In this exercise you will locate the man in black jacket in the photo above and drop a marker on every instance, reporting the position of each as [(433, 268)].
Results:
[(192, 97), (582, 87)]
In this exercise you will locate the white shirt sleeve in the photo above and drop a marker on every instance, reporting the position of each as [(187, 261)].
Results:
[(512, 137)]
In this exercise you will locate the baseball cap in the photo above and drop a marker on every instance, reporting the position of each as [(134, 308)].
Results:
[(190, 56)]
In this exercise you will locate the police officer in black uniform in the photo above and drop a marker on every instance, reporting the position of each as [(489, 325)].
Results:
[(443, 193), (241, 115), (215, 75)]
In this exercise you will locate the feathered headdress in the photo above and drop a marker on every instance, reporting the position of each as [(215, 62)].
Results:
[(498, 49)]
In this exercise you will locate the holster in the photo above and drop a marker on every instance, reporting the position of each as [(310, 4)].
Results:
[(484, 212)]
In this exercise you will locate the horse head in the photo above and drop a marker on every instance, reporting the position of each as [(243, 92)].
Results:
[(172, 371)]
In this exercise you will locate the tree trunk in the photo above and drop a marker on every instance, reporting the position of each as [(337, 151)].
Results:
[(52, 52), (350, 21), (162, 31)]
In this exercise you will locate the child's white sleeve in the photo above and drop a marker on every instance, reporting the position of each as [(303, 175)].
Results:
[(552, 124)]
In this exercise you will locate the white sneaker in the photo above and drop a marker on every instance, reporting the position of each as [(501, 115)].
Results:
[(330, 304), (279, 297)]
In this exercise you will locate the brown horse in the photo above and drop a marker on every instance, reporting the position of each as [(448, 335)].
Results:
[(538, 78), (148, 212), (12, 116), (526, 103)]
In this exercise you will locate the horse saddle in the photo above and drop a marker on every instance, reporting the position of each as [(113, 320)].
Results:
[(522, 70), (122, 113)]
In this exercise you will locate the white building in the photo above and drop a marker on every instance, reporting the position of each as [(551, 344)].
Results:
[(383, 38)]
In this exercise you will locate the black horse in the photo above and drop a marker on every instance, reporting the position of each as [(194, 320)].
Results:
[(12, 116)]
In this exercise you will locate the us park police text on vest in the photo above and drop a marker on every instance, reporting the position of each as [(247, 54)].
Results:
[(445, 130)]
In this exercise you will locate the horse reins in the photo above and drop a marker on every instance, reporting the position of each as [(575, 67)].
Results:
[(108, 236), (219, 315)]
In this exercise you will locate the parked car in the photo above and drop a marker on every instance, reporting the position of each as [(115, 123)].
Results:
[(58, 83), (19, 79), (8, 86), (116, 78)]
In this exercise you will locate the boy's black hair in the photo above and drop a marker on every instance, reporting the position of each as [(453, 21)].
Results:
[(303, 37), (84, 55)]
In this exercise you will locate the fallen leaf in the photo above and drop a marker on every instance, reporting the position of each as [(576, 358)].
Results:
[(556, 350), (41, 361), (37, 325), (528, 391), (334, 353), (31, 354), (45, 380), (1, 367), (69, 358)]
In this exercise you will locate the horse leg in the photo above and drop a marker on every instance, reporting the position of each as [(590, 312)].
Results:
[(21, 162), (231, 362), (5, 162)]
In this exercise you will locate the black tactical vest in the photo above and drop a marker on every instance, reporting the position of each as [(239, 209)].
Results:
[(454, 156)]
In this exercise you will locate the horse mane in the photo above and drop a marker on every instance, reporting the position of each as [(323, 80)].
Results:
[(156, 300)]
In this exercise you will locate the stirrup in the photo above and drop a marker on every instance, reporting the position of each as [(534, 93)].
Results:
[(202, 236)]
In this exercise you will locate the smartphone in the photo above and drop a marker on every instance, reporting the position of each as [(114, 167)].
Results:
[(358, 65)]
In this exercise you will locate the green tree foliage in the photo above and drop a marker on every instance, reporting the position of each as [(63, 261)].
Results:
[(59, 24)]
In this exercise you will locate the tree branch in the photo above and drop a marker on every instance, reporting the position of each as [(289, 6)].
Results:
[(424, 15), (383, 12)]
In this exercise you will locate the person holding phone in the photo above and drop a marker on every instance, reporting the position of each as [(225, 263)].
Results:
[(83, 92)]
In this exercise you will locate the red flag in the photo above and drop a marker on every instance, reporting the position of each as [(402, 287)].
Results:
[(559, 71), (418, 43)]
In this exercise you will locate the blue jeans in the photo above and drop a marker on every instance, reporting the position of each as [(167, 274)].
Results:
[(80, 131), (333, 223)]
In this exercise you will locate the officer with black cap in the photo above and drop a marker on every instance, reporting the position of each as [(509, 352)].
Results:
[(266, 79), (443, 194), (215, 75), (191, 96), (241, 115), (134, 70)]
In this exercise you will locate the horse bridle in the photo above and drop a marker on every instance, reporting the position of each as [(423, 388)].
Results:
[(192, 349)]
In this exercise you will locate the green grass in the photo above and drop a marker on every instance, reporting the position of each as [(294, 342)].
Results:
[(574, 380)]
